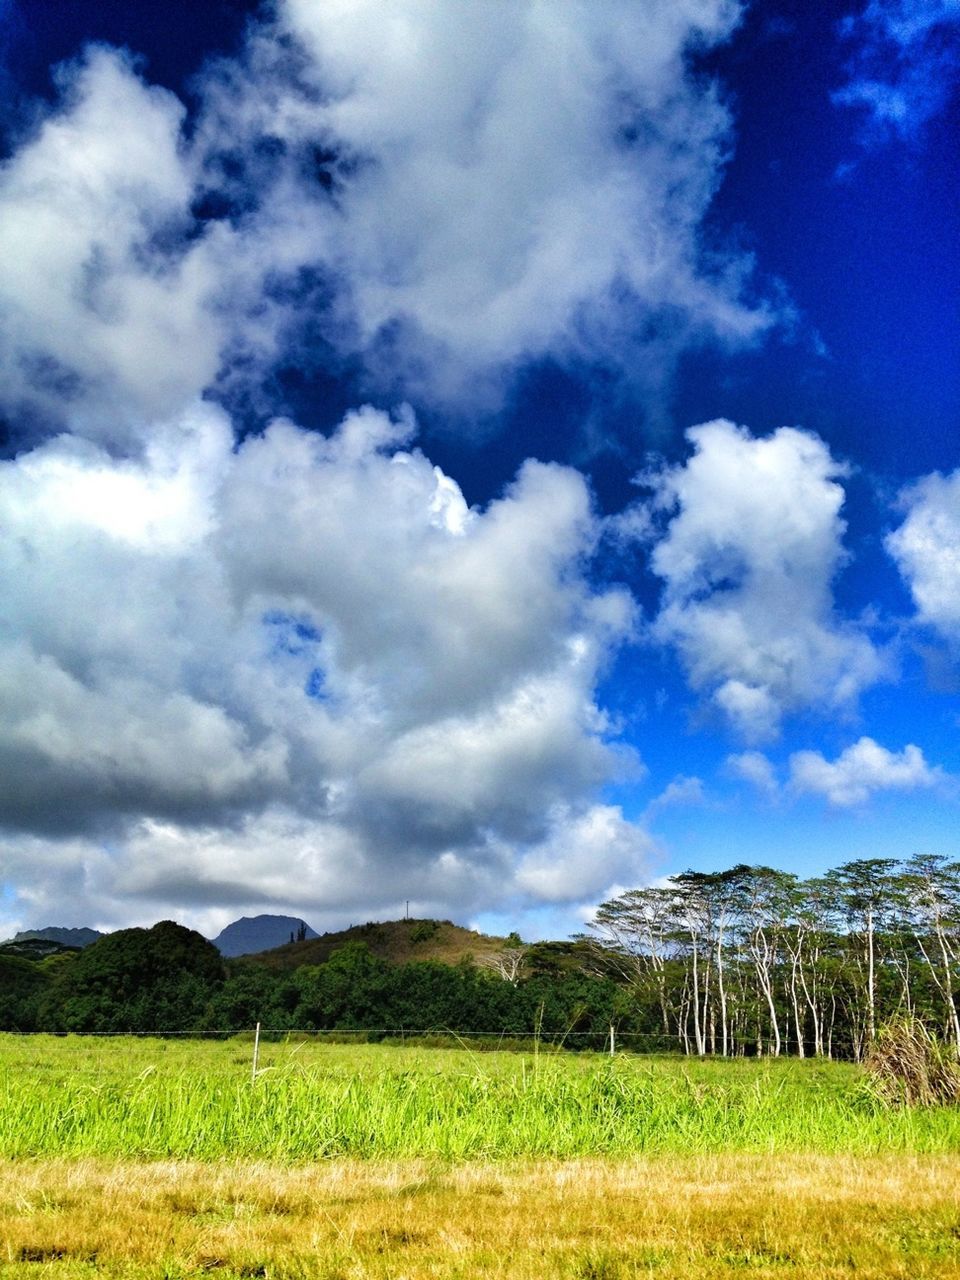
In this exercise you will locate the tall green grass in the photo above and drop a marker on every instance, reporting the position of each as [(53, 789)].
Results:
[(160, 1099)]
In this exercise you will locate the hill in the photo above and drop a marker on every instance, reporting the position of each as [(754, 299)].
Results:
[(36, 949), (251, 934), (397, 941), (66, 937)]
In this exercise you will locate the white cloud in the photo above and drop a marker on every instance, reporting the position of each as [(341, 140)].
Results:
[(926, 548), (584, 856), (905, 67), (301, 670), (496, 184), (751, 546), (755, 768), (860, 770), (98, 321), (535, 161), (682, 792), (236, 668)]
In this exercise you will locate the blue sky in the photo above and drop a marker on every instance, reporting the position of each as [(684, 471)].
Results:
[(484, 455)]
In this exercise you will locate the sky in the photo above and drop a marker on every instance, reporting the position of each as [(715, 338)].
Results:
[(483, 455)]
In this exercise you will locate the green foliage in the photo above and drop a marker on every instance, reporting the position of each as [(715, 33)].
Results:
[(23, 985), (347, 991), (250, 995), (357, 990), (744, 962), (158, 979)]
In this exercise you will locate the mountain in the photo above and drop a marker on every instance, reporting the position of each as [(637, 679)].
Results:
[(36, 949), (251, 934), (66, 937), (397, 941)]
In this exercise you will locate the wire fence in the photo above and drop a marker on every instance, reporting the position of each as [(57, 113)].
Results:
[(609, 1040)]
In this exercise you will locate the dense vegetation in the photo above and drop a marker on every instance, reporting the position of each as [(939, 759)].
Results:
[(170, 979), (749, 961), (756, 960), (187, 1099)]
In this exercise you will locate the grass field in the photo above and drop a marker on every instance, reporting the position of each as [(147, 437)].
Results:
[(878, 1218), (144, 1159), (153, 1099)]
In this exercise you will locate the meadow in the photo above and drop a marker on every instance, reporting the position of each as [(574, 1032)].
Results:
[(162, 1158)]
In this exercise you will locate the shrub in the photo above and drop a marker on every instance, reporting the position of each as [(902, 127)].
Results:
[(909, 1066)]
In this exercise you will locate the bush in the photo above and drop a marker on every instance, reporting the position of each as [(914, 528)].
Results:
[(909, 1066)]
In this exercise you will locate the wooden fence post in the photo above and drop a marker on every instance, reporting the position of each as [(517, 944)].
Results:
[(256, 1053)]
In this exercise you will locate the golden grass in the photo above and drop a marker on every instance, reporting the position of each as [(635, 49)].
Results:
[(883, 1217), (397, 941)]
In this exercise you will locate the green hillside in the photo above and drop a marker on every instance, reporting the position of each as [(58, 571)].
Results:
[(397, 941)]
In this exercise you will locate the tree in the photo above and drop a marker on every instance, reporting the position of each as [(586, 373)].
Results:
[(508, 964), (864, 888), (22, 987), (932, 887), (252, 993), (347, 991), (157, 979), (636, 935), (767, 899)]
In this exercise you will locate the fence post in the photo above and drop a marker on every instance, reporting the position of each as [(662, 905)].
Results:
[(256, 1053), (613, 1044)]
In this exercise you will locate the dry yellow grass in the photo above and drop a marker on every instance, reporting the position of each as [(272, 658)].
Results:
[(397, 941), (684, 1218)]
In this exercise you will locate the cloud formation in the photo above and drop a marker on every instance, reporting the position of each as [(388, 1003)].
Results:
[(274, 669), (546, 172), (755, 768), (905, 66), (751, 541), (926, 548), (440, 195), (305, 646), (103, 315), (859, 771)]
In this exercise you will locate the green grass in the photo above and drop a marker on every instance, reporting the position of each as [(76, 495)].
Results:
[(152, 1099)]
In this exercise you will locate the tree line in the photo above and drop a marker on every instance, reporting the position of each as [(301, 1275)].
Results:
[(756, 960), (170, 979), (747, 961)]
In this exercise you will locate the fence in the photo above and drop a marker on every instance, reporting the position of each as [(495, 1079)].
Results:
[(610, 1041)]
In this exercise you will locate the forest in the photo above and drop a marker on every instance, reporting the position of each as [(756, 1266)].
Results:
[(750, 961)]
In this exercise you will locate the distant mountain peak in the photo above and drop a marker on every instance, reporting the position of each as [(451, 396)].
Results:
[(56, 933), (251, 934)]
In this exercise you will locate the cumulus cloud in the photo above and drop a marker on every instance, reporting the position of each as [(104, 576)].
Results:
[(100, 320), (755, 768), (860, 770), (538, 163), (751, 544), (441, 194), (682, 791), (926, 548), (229, 669), (905, 65), (582, 858), (301, 667)]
